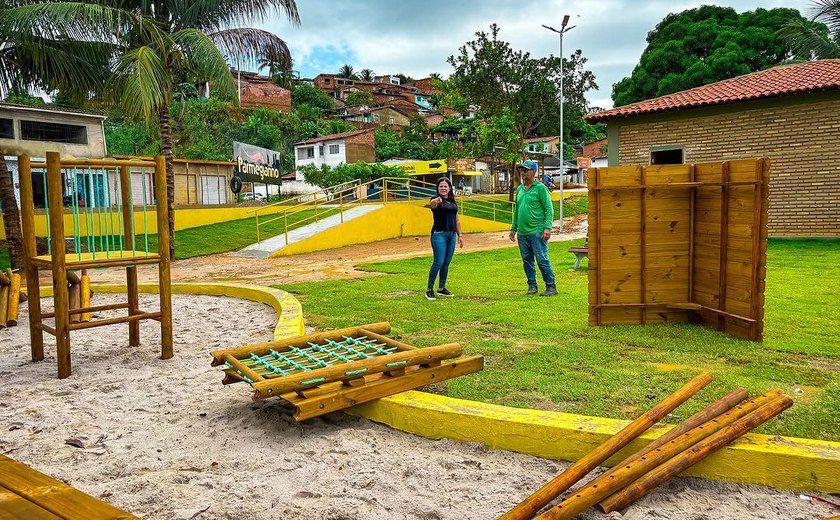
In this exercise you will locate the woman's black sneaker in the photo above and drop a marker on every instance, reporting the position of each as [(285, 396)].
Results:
[(430, 295), (445, 292)]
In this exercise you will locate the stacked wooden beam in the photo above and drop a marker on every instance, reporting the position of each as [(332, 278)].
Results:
[(684, 445), (10, 298)]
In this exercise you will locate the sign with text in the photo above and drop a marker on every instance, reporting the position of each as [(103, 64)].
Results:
[(255, 164), (584, 162), (423, 167)]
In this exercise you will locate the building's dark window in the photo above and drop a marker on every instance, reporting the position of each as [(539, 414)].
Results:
[(7, 129), (53, 132), (671, 156)]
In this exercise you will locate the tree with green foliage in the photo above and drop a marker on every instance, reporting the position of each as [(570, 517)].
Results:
[(497, 80), (359, 97), (155, 45), (326, 176), (366, 75), (818, 38), (305, 94), (403, 78), (346, 71), (704, 45)]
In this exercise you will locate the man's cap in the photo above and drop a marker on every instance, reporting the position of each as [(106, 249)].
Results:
[(528, 165)]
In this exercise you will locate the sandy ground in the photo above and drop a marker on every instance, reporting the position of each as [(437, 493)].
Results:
[(166, 440)]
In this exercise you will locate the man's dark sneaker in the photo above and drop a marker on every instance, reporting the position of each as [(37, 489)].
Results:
[(430, 295), (550, 290), (532, 289), (444, 292)]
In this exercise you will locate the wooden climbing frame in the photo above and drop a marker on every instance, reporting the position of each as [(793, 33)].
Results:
[(102, 223), (328, 371)]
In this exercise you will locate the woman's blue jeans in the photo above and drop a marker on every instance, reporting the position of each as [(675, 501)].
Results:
[(531, 246), (443, 246)]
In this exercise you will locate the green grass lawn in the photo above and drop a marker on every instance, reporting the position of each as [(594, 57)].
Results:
[(541, 354)]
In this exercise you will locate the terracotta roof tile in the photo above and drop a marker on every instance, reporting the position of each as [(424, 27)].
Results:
[(332, 137), (799, 78)]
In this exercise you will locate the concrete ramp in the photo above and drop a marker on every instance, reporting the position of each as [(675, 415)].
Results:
[(273, 245)]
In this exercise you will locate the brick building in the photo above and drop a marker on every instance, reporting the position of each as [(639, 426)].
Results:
[(790, 114), (260, 91)]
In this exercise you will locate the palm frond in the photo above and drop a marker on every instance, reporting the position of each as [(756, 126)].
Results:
[(80, 21), (253, 45), (215, 15), (141, 84), (203, 60), (828, 12), (76, 68), (807, 41)]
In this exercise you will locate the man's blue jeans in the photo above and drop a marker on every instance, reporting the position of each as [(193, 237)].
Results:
[(443, 246), (530, 247)]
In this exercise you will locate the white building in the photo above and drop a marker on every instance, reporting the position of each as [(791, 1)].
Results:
[(335, 149)]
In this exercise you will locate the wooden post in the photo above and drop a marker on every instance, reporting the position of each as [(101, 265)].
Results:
[(30, 271), (164, 278), (14, 299), (724, 246), (701, 450), (61, 298), (528, 507), (130, 271), (5, 282), (643, 243), (85, 295), (622, 475)]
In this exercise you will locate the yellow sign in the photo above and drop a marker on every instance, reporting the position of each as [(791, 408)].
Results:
[(584, 162), (423, 167)]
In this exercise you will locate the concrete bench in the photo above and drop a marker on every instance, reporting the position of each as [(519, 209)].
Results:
[(580, 253)]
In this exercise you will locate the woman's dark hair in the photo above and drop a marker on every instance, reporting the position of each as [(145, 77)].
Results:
[(451, 196)]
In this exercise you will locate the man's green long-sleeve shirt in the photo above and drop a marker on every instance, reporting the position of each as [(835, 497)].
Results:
[(533, 212)]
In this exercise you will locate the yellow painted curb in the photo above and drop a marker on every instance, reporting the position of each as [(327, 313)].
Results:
[(288, 309), (780, 462)]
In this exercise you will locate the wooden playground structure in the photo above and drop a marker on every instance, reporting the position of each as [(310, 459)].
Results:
[(676, 243), (105, 233), (328, 371)]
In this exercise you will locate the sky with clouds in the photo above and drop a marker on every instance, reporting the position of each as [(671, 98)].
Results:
[(415, 38)]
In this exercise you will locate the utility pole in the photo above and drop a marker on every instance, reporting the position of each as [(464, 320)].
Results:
[(563, 30)]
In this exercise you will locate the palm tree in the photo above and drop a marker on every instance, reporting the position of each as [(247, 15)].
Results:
[(366, 75), (157, 44), (31, 62), (812, 40), (346, 71)]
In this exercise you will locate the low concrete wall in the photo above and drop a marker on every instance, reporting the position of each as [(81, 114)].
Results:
[(390, 221), (185, 218)]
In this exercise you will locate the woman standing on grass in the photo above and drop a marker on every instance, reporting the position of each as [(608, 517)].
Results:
[(446, 230)]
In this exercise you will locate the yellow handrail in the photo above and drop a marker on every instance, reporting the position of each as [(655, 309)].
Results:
[(387, 194)]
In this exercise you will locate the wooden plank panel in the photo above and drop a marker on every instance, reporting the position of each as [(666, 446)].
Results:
[(15, 507), (620, 176), (53, 495)]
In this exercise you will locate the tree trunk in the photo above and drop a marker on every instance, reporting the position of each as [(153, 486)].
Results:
[(11, 216), (166, 138)]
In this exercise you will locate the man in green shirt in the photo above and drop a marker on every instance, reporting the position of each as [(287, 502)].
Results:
[(532, 218)]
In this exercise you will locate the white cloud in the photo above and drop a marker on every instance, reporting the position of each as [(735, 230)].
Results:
[(416, 38)]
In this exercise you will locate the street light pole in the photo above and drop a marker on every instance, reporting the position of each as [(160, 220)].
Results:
[(563, 29)]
